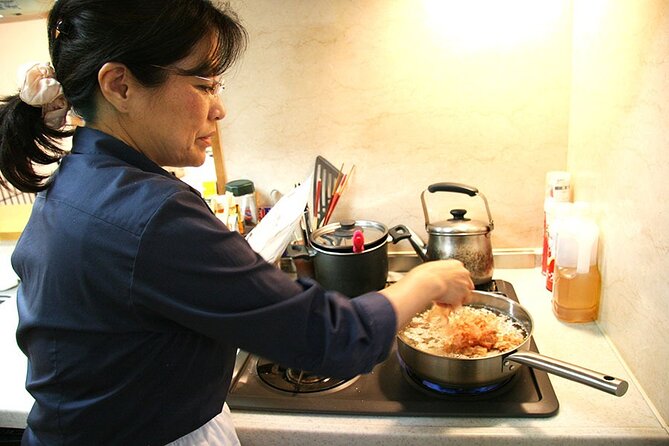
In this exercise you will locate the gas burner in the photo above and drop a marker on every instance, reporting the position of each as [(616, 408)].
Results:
[(294, 381), (442, 390), (300, 377), (455, 391)]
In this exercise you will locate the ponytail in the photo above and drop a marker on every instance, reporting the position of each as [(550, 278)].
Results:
[(26, 141)]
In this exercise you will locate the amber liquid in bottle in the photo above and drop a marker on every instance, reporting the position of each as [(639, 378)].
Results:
[(576, 296)]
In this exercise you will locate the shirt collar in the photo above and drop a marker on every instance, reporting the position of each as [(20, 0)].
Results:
[(91, 141)]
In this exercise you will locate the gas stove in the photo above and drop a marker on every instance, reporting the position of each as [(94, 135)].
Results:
[(389, 389)]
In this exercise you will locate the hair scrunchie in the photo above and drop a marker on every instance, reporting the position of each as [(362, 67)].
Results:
[(41, 89)]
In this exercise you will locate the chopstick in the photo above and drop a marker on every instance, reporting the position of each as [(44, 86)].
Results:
[(317, 202), (321, 221), (317, 197), (339, 190), (334, 198)]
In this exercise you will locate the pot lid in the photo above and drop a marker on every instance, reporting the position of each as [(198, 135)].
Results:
[(459, 225), (339, 236)]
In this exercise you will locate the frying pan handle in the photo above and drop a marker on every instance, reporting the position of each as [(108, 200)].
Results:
[(599, 381)]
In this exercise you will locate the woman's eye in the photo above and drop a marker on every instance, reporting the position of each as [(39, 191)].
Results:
[(209, 89)]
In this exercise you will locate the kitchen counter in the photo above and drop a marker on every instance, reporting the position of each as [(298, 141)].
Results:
[(586, 415)]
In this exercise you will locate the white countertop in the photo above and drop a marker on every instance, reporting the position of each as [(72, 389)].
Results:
[(586, 415)]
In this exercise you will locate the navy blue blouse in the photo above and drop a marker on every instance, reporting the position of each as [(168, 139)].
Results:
[(134, 298)]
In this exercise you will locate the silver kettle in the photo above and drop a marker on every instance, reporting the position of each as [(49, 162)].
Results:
[(458, 237)]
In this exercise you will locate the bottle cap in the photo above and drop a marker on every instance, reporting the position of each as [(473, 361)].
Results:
[(240, 187), (558, 185)]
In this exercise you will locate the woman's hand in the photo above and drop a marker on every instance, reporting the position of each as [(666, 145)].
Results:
[(444, 281)]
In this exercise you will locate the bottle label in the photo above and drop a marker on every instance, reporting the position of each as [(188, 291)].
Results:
[(550, 274)]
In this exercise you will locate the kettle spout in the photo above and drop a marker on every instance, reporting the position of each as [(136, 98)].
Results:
[(401, 232)]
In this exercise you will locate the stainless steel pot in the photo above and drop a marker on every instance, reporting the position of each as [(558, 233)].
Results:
[(468, 373), (458, 237), (337, 267)]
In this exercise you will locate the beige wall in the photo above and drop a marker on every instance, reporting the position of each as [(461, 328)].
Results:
[(386, 86), (619, 155), (22, 42), (413, 97)]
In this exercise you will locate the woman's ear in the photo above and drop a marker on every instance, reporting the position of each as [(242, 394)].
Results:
[(115, 80)]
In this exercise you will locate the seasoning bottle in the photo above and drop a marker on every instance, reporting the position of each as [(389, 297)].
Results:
[(245, 197), (577, 283), (208, 176), (557, 190), (202, 178), (556, 211)]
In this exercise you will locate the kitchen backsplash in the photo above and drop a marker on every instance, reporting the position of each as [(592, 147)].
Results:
[(377, 85)]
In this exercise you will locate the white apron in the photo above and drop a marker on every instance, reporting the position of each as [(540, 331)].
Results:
[(219, 431)]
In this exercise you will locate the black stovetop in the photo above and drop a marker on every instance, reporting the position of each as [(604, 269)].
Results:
[(388, 391)]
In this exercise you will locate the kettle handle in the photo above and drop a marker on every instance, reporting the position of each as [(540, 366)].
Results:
[(453, 187), (456, 188)]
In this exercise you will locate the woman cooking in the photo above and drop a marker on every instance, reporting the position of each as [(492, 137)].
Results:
[(134, 297)]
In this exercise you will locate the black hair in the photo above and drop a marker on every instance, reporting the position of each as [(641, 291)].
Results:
[(83, 36)]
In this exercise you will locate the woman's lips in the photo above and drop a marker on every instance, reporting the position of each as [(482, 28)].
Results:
[(206, 139)]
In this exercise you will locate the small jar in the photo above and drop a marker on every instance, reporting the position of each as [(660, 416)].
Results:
[(245, 197)]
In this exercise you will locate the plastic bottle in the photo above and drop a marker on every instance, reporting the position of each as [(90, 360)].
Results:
[(208, 176), (202, 178), (577, 281), (557, 190), (555, 212)]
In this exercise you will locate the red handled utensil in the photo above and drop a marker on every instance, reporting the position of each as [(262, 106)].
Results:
[(358, 241)]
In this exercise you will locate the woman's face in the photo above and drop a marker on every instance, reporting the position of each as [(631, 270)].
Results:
[(178, 118)]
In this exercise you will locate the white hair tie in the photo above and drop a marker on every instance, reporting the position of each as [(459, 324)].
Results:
[(41, 89)]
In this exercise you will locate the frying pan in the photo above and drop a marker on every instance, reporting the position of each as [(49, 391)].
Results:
[(466, 373)]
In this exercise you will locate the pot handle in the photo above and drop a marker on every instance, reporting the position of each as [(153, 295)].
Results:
[(401, 232), (599, 381), (300, 252), (457, 188)]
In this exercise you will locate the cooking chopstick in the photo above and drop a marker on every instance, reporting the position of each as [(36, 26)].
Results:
[(335, 197), (317, 202), (338, 192), (329, 208), (317, 197)]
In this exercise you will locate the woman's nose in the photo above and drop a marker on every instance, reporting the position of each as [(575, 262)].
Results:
[(217, 110)]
